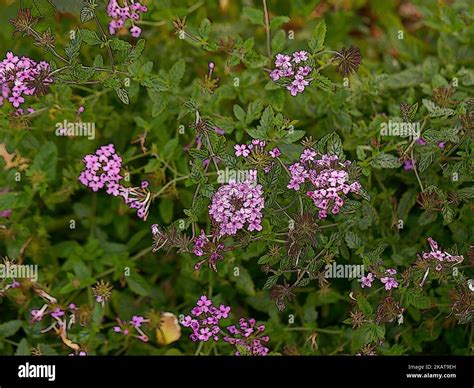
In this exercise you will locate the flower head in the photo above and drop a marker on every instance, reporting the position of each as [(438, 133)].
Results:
[(204, 320), (237, 205), (249, 336)]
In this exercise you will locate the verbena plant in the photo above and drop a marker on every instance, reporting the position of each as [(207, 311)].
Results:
[(219, 178)]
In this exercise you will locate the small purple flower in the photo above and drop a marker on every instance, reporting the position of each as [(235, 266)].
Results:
[(408, 164), (241, 150), (366, 281), (389, 282), (275, 152), (300, 56)]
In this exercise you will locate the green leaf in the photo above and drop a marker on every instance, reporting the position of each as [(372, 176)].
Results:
[(45, 161), (353, 241), (177, 72), (254, 15), (138, 284), (239, 113), (436, 111), (23, 349), (364, 306), (159, 106), (465, 193), (277, 21), (448, 214), (316, 43), (384, 160), (323, 82), (244, 282), (87, 13), (278, 41), (122, 94), (90, 37), (417, 299), (271, 281), (334, 145), (7, 329), (426, 159), (205, 28)]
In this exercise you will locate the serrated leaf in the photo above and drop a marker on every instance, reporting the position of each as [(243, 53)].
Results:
[(278, 41), (323, 82), (417, 299), (384, 160), (364, 306), (122, 94), (254, 15), (271, 281), (87, 13), (205, 28), (90, 37), (9, 328), (177, 72), (426, 159), (138, 284), (352, 240), (316, 43)]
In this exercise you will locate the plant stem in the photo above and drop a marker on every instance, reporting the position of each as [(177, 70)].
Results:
[(267, 28)]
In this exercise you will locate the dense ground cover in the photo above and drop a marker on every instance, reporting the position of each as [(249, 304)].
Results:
[(236, 177)]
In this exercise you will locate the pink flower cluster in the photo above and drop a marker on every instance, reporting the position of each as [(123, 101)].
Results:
[(204, 320), (250, 336), (102, 170), (20, 77), (329, 178), (202, 246), (293, 71), (120, 15), (235, 205), (244, 150), (440, 256), (388, 280)]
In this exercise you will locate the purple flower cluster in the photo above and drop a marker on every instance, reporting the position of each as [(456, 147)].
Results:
[(329, 178), (292, 71), (204, 320), (440, 256), (388, 280), (236, 204), (250, 336), (21, 77), (102, 170), (120, 15)]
